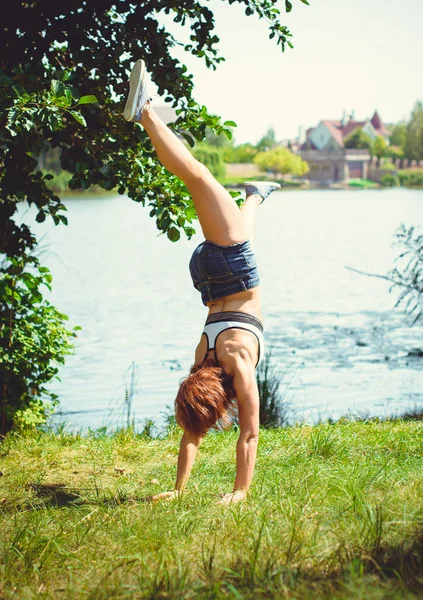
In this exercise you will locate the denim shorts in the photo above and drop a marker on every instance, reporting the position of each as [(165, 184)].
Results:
[(219, 271)]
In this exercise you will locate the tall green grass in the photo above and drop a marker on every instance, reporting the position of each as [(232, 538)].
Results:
[(335, 511)]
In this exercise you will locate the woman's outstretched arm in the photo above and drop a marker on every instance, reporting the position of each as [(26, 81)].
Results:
[(247, 395), (186, 457)]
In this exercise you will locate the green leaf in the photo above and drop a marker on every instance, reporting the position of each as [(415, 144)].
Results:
[(164, 223), (305, 2), (188, 138), (18, 89), (229, 124), (190, 231), (28, 124), (78, 117), (173, 234), (56, 87), (87, 100), (288, 6)]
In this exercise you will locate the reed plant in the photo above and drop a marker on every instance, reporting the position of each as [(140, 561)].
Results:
[(275, 411), (334, 511)]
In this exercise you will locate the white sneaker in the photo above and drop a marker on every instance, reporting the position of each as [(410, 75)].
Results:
[(261, 188), (138, 95)]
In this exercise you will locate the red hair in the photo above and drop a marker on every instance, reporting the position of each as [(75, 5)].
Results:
[(205, 399)]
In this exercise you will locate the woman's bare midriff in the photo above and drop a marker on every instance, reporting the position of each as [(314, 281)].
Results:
[(246, 302)]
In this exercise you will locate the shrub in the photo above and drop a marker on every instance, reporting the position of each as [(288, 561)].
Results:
[(389, 180), (211, 158), (387, 164), (411, 177), (34, 340)]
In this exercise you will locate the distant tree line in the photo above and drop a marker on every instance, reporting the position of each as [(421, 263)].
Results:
[(405, 141), (269, 154)]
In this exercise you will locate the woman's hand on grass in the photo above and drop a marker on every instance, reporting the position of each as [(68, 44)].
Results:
[(233, 498), (163, 496)]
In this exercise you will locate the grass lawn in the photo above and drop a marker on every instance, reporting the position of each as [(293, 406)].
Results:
[(335, 511), (363, 183)]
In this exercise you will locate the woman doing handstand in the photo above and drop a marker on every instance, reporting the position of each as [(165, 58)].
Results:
[(224, 270)]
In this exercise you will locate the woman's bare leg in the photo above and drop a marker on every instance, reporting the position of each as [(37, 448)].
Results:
[(248, 211), (218, 213)]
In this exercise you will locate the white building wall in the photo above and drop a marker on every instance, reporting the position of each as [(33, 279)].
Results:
[(320, 136), (370, 130)]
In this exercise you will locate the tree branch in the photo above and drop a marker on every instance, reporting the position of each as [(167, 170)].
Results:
[(394, 281)]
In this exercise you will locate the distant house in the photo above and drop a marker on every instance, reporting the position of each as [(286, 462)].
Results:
[(325, 152)]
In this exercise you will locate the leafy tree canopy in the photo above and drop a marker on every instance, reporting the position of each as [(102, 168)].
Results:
[(243, 153), (406, 138), (55, 54), (397, 137), (211, 156), (413, 144), (358, 139), (380, 147), (219, 141), (268, 141), (281, 161)]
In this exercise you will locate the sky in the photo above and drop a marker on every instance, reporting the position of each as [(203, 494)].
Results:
[(352, 55)]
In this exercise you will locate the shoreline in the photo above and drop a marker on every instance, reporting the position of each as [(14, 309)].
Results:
[(100, 193)]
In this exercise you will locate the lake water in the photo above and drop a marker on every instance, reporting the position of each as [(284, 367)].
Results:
[(338, 343)]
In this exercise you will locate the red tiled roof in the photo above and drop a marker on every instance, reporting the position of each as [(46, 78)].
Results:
[(352, 126), (335, 131), (339, 131), (377, 123)]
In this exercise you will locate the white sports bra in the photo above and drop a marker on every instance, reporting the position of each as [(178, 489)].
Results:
[(219, 322)]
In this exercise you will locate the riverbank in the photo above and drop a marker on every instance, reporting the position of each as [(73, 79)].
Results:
[(59, 185), (334, 512), (234, 183)]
